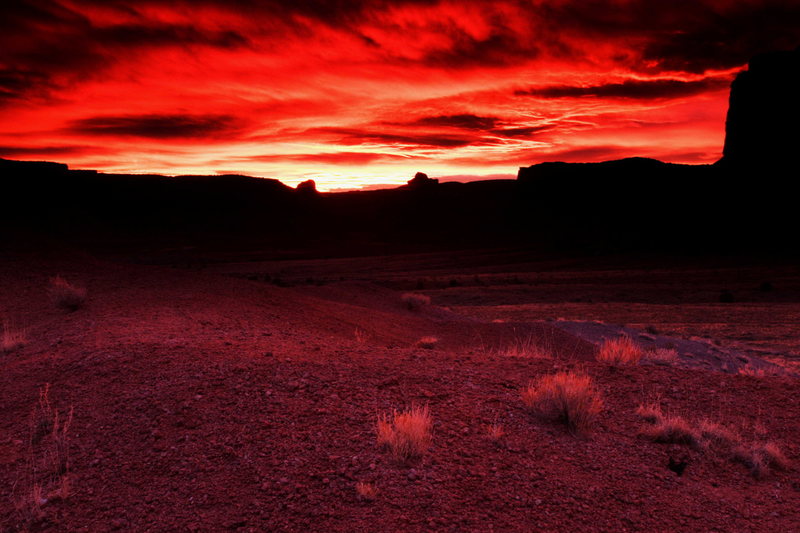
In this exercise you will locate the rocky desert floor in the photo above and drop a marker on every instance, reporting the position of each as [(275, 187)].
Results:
[(244, 395)]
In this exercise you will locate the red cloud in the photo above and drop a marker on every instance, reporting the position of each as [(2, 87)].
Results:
[(369, 88)]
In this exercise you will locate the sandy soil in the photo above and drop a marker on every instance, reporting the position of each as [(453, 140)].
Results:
[(203, 402)]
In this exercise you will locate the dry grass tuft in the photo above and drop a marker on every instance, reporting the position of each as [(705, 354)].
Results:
[(360, 336), (408, 434), (366, 491), (415, 301), (752, 371), (47, 475), (65, 295), (662, 356), (525, 348), (620, 351), (570, 396), (428, 343), (650, 412), (761, 457), (717, 435), (495, 431), (12, 339), (673, 430)]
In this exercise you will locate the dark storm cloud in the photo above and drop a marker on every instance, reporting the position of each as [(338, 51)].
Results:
[(464, 121), (158, 126), (502, 48), (44, 45), (41, 151), (523, 132), (331, 158), (354, 136), (681, 35), (489, 125), (128, 35), (638, 89), (15, 83)]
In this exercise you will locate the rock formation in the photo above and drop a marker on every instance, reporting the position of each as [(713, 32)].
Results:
[(763, 124)]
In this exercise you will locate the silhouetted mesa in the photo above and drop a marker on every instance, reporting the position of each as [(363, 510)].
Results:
[(421, 181), (308, 187), (763, 124)]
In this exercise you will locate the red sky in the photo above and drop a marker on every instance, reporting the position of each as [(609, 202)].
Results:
[(355, 93)]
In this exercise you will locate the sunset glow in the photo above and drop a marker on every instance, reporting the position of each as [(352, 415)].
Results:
[(362, 93)]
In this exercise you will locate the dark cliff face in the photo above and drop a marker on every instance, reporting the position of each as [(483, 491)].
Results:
[(763, 124)]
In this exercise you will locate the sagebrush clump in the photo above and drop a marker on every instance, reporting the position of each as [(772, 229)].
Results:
[(569, 396), (407, 434), (428, 343), (620, 351)]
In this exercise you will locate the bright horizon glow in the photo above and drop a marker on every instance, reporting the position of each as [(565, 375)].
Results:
[(368, 93)]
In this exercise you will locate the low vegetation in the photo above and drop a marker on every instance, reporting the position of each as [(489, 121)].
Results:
[(525, 348), (407, 434), (673, 430), (571, 397), (661, 356), (718, 436), (415, 301), (12, 339), (650, 412), (47, 471), (495, 431), (620, 351), (428, 343), (366, 491), (708, 435), (65, 295), (360, 336)]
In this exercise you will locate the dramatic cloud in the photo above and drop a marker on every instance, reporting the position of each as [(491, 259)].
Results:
[(370, 91), (158, 126), (469, 122), (631, 89)]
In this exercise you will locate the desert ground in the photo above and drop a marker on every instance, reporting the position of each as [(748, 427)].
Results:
[(208, 394)]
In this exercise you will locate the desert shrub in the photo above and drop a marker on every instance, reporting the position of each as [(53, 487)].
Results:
[(65, 295), (407, 434), (366, 491), (428, 343), (620, 351), (12, 338), (415, 301), (673, 430), (571, 397), (525, 348), (760, 457)]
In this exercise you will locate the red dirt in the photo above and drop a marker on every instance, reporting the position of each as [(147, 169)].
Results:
[(203, 402)]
